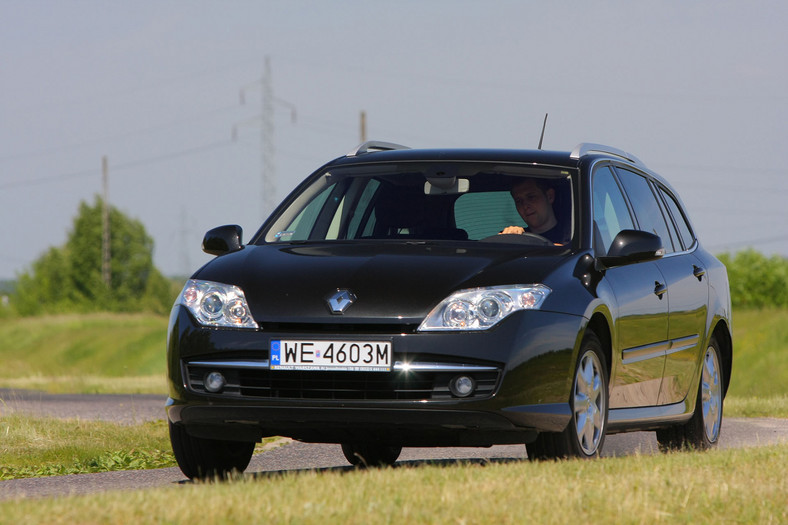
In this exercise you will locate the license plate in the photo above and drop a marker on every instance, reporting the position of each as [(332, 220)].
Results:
[(351, 356)]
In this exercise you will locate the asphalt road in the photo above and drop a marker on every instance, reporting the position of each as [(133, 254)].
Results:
[(120, 408), (288, 455)]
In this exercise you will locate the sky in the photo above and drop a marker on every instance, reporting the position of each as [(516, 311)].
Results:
[(171, 93)]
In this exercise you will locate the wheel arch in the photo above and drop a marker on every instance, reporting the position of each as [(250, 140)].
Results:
[(599, 325), (722, 334)]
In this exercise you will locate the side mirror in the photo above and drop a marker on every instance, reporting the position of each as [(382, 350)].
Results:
[(222, 240), (632, 246)]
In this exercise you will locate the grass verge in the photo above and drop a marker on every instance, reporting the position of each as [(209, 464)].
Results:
[(775, 406), (35, 446), (760, 353), (740, 486), (32, 447), (89, 384), (102, 344)]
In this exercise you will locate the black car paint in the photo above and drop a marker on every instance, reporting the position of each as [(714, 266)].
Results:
[(538, 349), (401, 279), (534, 362)]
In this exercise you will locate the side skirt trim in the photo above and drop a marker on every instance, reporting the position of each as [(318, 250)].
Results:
[(644, 418)]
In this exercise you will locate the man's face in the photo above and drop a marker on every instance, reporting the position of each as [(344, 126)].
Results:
[(534, 205)]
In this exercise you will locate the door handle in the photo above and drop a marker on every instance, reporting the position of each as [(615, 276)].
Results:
[(660, 289), (698, 272)]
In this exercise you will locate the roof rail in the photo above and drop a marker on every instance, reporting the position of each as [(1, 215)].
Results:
[(587, 147), (375, 145)]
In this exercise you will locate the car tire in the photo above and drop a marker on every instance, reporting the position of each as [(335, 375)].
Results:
[(201, 458), (370, 455), (702, 431), (584, 437)]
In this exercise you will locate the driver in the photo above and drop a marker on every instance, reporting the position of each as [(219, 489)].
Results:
[(534, 202)]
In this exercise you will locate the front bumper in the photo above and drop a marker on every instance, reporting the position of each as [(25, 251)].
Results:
[(396, 426), (522, 370)]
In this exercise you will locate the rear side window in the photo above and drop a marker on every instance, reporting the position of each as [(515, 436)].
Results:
[(647, 210), (685, 233)]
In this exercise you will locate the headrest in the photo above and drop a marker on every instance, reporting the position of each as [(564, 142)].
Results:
[(400, 207)]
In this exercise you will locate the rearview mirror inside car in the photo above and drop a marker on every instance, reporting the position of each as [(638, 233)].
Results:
[(447, 186)]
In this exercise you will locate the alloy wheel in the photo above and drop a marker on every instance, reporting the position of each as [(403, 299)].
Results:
[(589, 403), (711, 392)]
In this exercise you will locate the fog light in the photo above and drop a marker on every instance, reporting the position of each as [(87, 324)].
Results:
[(214, 382), (462, 386)]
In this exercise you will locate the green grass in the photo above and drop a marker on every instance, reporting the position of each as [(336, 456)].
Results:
[(760, 354), (93, 353), (111, 345), (34, 447), (84, 384), (40, 446), (730, 486), (759, 384), (775, 406)]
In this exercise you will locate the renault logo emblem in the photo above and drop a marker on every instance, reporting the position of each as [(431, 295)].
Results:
[(340, 300)]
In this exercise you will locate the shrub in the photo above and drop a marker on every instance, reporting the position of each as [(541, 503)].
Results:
[(757, 281)]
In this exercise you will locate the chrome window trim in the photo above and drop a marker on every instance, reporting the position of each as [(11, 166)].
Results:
[(653, 181)]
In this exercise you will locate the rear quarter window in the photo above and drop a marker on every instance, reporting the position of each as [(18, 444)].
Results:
[(646, 206), (685, 233)]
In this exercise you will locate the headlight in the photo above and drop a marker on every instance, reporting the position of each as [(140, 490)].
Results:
[(482, 308), (216, 304)]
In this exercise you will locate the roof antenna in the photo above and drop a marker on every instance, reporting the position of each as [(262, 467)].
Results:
[(544, 125)]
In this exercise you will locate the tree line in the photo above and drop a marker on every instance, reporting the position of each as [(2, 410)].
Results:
[(757, 281), (69, 278)]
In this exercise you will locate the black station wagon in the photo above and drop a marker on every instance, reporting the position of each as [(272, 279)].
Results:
[(471, 297)]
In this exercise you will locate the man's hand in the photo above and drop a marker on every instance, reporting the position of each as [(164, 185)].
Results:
[(517, 230)]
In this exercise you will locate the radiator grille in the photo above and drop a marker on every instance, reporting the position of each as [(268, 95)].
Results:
[(262, 383)]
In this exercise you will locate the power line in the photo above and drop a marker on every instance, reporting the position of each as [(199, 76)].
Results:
[(750, 242), (720, 169), (267, 148), (90, 98), (364, 69), (193, 118), (174, 155), (121, 166), (51, 178)]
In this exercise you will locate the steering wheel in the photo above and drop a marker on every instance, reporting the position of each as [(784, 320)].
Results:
[(519, 238)]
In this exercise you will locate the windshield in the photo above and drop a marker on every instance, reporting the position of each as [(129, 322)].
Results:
[(431, 201)]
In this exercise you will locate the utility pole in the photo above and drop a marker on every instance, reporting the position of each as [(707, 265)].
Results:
[(106, 271), (183, 235), (363, 126), (267, 137), (268, 165)]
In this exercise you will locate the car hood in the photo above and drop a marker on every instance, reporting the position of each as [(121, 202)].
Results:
[(399, 282)]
